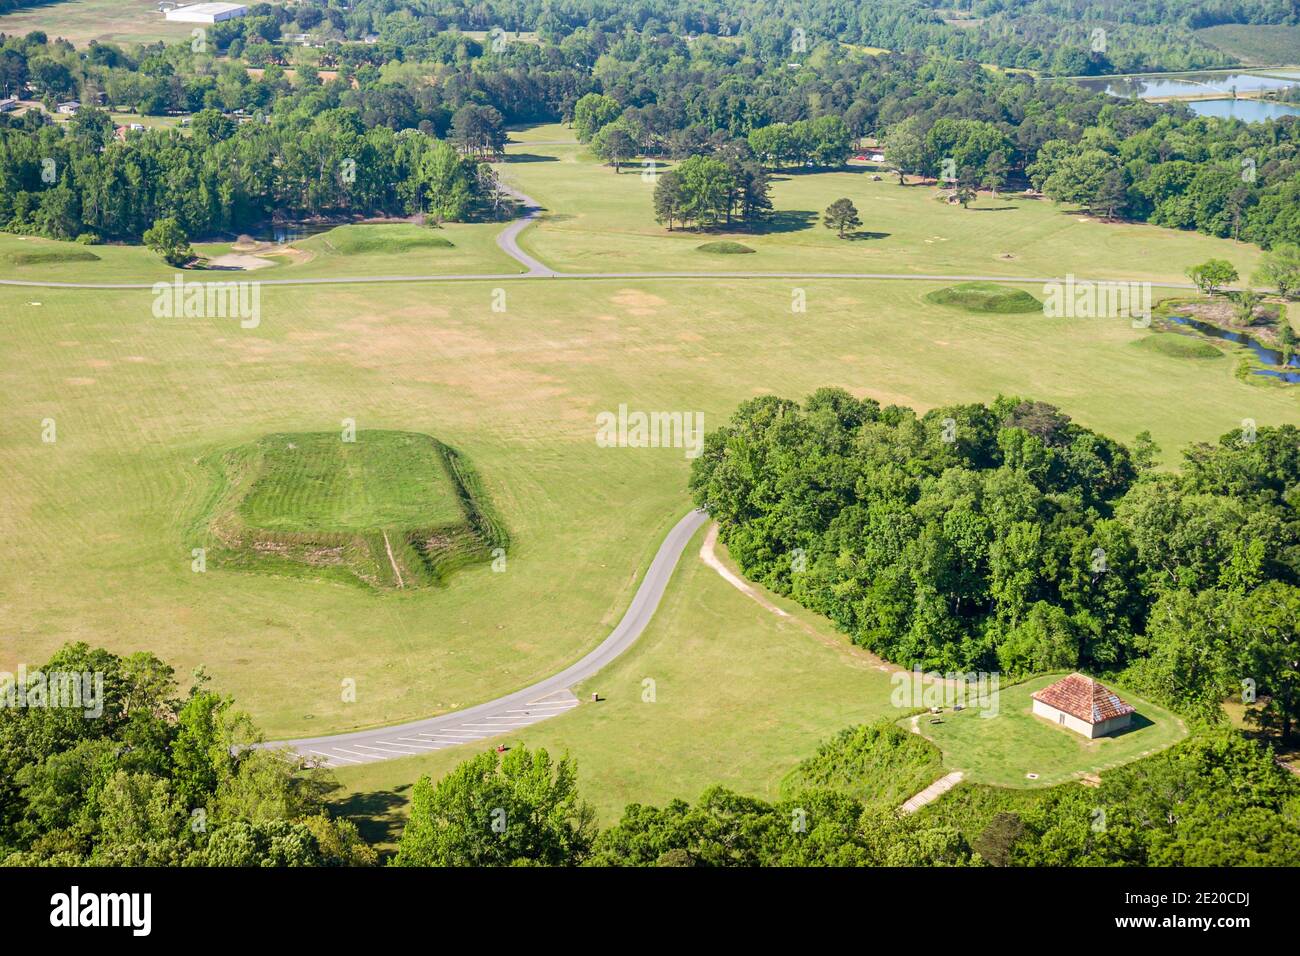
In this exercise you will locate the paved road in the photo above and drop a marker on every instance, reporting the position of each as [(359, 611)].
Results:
[(524, 707), (508, 241), (550, 274)]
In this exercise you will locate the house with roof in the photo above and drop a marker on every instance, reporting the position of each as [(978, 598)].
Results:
[(1084, 705)]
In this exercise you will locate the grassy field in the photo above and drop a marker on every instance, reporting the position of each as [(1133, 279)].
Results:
[(1256, 44), (108, 21), (1002, 750), (346, 250), (597, 220), (740, 697), (100, 521), (149, 122)]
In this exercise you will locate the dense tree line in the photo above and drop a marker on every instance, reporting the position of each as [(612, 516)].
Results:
[(654, 93), (1050, 35), (1216, 799), (79, 180), (155, 778), (1009, 538)]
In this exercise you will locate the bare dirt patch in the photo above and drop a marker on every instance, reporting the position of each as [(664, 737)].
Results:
[(637, 302)]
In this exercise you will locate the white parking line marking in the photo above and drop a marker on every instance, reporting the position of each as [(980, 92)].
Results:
[(321, 753), (379, 748), (365, 758)]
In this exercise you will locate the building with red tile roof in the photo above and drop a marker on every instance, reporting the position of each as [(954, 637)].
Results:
[(1083, 705)]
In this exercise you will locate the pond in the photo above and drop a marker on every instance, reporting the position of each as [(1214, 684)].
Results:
[(1249, 111), (1190, 84), (1266, 355)]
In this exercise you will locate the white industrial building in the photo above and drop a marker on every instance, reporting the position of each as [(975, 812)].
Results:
[(206, 12)]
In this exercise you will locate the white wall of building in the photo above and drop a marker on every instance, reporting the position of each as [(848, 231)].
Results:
[(1081, 727), (195, 13)]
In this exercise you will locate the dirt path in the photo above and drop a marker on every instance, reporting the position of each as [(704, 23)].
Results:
[(709, 556), (393, 561)]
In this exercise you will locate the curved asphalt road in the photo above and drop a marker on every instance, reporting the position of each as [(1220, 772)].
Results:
[(544, 699), (508, 241)]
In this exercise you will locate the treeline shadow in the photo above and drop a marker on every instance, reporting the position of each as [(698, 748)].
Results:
[(784, 220), (377, 814)]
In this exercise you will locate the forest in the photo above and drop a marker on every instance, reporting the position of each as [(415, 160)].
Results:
[(160, 779), (1007, 538), (277, 144), (171, 779)]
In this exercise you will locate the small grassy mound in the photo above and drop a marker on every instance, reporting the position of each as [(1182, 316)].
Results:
[(985, 297), (391, 509), (879, 764), (1178, 346), (1003, 745), (369, 240), (43, 257), (725, 247)]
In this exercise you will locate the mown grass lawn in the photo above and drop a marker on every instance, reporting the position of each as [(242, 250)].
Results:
[(100, 522), (358, 249), (740, 696), (1004, 749), (108, 21), (597, 220), (317, 481)]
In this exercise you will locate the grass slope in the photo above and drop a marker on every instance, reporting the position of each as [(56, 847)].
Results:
[(361, 249), (366, 239), (740, 697), (40, 257), (1176, 345), (986, 297), (878, 764), (724, 247), (1266, 44), (389, 508)]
